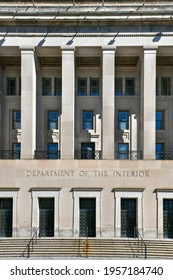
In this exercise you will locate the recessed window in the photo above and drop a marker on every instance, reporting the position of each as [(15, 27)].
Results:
[(157, 86), (58, 86), (123, 151), (88, 86), (87, 150), (118, 86), (87, 120), (82, 86), (19, 85), (16, 147), (160, 147), (94, 86), (52, 151), (159, 120), (165, 86), (47, 86), (16, 120), (52, 120), (11, 86), (129, 86), (123, 120)]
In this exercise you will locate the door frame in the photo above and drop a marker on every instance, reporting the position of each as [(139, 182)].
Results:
[(128, 193), (39, 193), (14, 194), (86, 193), (161, 194)]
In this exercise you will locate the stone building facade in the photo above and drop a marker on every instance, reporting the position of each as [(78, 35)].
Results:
[(86, 109)]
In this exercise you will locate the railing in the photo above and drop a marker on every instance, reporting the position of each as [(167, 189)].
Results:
[(132, 155), (42, 154), (9, 154), (29, 247), (85, 246), (164, 155), (87, 154), (141, 242)]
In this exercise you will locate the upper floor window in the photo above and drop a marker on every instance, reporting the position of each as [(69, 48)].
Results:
[(87, 120), (165, 86), (159, 120), (16, 120), (157, 86), (129, 86), (47, 86), (58, 86), (52, 151), (11, 86), (123, 120), (87, 150), (82, 86), (19, 86), (52, 120), (16, 147), (123, 151), (160, 147), (88, 87), (94, 86), (118, 86)]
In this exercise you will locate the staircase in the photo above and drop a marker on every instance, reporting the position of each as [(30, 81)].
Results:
[(83, 248)]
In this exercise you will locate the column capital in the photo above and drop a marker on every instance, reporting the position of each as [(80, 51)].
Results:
[(151, 49), (67, 48), (27, 48), (110, 49)]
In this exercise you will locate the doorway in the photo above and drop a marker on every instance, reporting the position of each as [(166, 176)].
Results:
[(87, 217)]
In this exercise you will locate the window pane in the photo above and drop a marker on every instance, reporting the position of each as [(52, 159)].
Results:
[(16, 120), (157, 86), (123, 151), (52, 120), (118, 86), (19, 85), (16, 150), (58, 87), (94, 86), (159, 120), (52, 150), (123, 120), (165, 86), (16, 147), (130, 89), (11, 86), (87, 150), (82, 86), (47, 87), (87, 120), (160, 150)]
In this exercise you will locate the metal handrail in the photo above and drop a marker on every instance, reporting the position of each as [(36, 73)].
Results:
[(29, 247), (140, 241)]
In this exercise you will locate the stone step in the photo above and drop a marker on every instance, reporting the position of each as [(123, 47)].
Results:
[(53, 247)]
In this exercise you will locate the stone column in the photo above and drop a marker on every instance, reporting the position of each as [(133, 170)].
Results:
[(68, 103), (28, 103), (148, 102), (108, 110)]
